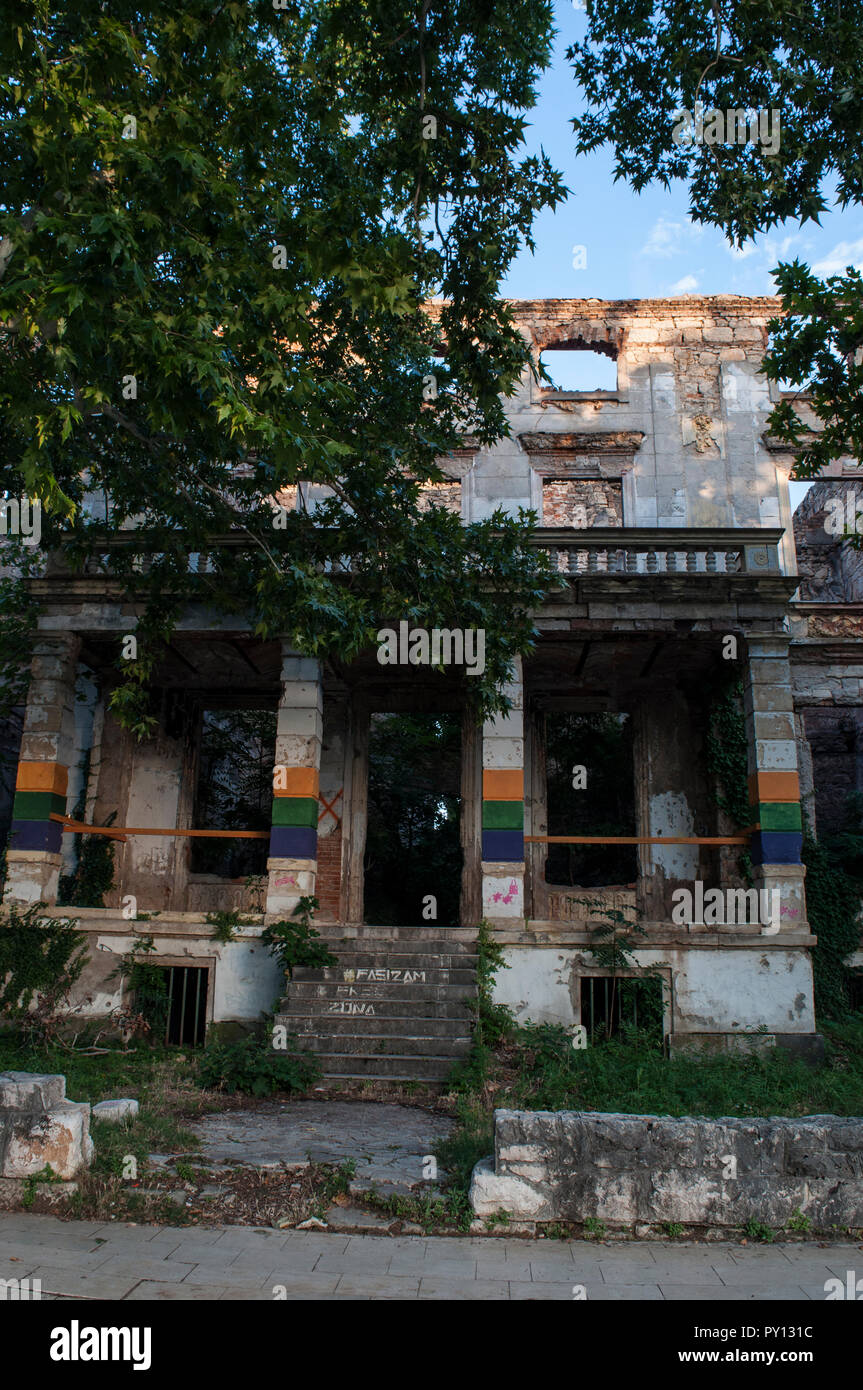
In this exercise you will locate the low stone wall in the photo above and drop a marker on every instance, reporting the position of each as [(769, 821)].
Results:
[(39, 1126), (644, 1170)]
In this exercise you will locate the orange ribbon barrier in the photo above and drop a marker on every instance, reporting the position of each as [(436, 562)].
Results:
[(119, 832), (741, 839)]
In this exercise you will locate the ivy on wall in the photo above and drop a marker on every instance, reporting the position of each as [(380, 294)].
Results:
[(834, 864)]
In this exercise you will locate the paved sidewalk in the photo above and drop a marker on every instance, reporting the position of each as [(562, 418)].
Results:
[(87, 1260)]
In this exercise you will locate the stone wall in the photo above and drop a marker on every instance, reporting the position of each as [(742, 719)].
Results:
[(632, 1171)]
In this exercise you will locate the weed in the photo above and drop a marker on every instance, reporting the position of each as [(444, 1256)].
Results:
[(756, 1230)]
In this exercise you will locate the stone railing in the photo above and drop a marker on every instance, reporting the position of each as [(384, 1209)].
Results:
[(643, 550), (598, 550)]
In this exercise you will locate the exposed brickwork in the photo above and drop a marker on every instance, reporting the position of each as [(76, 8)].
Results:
[(582, 503), (328, 883), (446, 495)]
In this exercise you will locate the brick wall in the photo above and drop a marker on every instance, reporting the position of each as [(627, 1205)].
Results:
[(328, 883), (581, 502)]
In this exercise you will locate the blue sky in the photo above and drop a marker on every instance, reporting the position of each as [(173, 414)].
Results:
[(642, 245)]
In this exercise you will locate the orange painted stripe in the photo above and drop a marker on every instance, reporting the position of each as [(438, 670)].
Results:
[(503, 784), (773, 786), (295, 781), (741, 839), (42, 777)]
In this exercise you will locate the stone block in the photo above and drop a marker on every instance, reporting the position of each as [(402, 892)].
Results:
[(116, 1111), (39, 1128), (628, 1170), (31, 1091)]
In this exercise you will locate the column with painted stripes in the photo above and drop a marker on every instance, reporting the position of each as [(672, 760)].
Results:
[(47, 744), (503, 808), (774, 783), (292, 865)]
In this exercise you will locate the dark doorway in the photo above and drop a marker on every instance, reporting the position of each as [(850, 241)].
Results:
[(413, 859), (591, 791)]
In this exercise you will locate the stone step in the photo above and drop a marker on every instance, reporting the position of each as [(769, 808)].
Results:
[(383, 1005), (382, 1024), (356, 1066), (427, 946), (369, 960), (420, 992), (381, 1045), (455, 937), (384, 974)]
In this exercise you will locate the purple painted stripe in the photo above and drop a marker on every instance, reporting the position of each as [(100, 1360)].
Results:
[(36, 834), (776, 847), (293, 842), (505, 845)]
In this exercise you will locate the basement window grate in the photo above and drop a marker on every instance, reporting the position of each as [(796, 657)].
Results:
[(175, 1003), (613, 1006)]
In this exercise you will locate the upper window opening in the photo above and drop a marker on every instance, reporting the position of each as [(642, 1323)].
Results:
[(579, 369)]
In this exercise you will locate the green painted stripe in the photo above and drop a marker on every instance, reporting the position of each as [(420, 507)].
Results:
[(503, 815), (37, 805), (780, 815), (295, 811)]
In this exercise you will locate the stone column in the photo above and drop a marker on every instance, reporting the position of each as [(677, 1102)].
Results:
[(503, 808), (774, 784), (47, 750), (292, 865)]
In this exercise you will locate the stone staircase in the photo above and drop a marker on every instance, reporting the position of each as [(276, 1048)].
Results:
[(395, 1008)]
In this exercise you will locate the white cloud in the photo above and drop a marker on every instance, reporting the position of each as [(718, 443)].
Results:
[(667, 237), (687, 285), (844, 254)]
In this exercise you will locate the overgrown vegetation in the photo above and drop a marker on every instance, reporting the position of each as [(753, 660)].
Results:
[(250, 1066), (834, 893), (297, 943), (538, 1069), (147, 986), (226, 924), (41, 959), (834, 863)]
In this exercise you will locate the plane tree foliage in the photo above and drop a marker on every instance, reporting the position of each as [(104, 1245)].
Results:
[(223, 226), (643, 61)]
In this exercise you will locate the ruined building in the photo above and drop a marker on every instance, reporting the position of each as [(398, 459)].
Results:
[(596, 799)]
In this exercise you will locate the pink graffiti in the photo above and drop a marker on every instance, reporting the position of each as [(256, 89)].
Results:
[(789, 911), (506, 897), (286, 878)]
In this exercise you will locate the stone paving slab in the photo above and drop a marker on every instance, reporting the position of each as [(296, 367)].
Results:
[(137, 1263), (387, 1142)]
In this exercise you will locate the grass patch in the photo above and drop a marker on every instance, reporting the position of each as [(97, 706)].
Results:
[(536, 1068)]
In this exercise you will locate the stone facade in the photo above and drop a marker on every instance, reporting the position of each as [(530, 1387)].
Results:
[(666, 513)]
